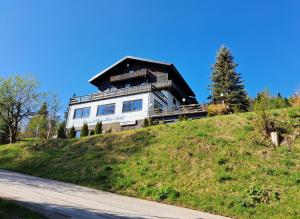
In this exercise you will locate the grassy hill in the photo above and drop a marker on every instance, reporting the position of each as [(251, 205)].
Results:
[(217, 164)]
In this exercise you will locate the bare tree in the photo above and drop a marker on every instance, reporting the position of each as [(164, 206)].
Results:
[(19, 100)]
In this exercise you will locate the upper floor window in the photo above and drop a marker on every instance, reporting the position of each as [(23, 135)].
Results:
[(82, 112), (132, 105), (106, 109), (157, 105)]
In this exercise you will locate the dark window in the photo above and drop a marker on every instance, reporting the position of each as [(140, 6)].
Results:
[(157, 105), (106, 109), (82, 113), (132, 105)]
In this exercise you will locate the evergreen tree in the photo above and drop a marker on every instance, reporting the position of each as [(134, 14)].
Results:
[(84, 130), (227, 86), (72, 133), (98, 128), (61, 131)]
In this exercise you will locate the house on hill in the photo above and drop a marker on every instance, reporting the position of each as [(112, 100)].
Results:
[(131, 90)]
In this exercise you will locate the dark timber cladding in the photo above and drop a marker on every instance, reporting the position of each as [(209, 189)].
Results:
[(138, 70)]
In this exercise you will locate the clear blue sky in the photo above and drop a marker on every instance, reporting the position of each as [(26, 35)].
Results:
[(64, 43)]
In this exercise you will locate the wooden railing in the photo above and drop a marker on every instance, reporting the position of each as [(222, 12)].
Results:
[(127, 76), (180, 110), (118, 93)]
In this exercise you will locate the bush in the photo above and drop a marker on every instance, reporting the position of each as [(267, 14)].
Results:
[(98, 128), (167, 193), (217, 109), (182, 118), (148, 122), (92, 132), (72, 133), (295, 100), (84, 130), (61, 131), (262, 195)]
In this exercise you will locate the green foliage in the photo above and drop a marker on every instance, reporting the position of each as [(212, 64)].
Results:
[(92, 132), (98, 128), (72, 133), (271, 102), (182, 117), (61, 133), (227, 86), (19, 100), (167, 193), (38, 124), (84, 130), (4, 132), (148, 122)]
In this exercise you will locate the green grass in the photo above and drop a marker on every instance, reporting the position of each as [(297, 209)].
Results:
[(9, 210), (216, 164)]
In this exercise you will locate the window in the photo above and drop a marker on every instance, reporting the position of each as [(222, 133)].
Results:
[(132, 105), (82, 113), (107, 109), (157, 105)]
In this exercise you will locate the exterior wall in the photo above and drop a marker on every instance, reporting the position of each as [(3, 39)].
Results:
[(115, 119)]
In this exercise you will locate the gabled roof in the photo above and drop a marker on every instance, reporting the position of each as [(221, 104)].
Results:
[(171, 66)]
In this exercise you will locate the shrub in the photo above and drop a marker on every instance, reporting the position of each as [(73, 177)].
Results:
[(182, 117), (167, 193), (92, 132), (72, 133), (98, 128), (148, 122), (84, 130), (217, 109), (295, 100), (261, 195), (61, 131)]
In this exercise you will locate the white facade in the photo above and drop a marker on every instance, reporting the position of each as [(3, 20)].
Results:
[(124, 118)]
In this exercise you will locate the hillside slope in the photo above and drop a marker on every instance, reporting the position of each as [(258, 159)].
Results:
[(214, 164)]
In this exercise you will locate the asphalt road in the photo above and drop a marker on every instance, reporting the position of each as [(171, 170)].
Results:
[(63, 200)]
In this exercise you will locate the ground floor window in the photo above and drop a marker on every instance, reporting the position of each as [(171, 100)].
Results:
[(82, 113), (132, 105), (107, 109)]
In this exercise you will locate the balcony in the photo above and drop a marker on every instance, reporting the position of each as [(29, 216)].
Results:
[(184, 110), (142, 73), (122, 92)]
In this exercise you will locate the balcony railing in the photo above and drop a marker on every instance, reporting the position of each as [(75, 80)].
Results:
[(180, 110), (142, 73), (120, 92)]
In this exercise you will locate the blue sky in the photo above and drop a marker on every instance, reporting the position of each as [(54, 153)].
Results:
[(64, 43)]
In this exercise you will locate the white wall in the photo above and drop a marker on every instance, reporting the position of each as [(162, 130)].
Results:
[(119, 116)]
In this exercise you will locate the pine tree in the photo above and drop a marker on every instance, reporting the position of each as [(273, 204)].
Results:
[(98, 128), (72, 133), (61, 131), (227, 86), (84, 130)]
